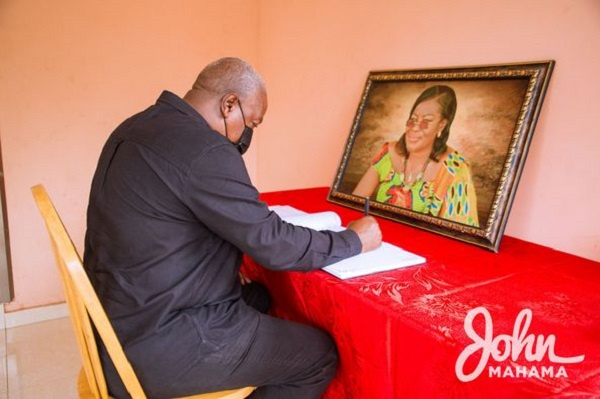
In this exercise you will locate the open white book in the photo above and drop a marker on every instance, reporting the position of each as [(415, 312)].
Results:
[(386, 257)]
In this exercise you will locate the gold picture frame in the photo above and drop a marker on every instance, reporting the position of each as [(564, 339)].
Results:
[(483, 132)]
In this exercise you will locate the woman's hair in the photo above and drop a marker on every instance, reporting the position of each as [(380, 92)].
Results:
[(446, 98)]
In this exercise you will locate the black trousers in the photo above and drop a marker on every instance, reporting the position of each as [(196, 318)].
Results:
[(287, 360)]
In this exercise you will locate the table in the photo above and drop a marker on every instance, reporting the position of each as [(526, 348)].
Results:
[(400, 333)]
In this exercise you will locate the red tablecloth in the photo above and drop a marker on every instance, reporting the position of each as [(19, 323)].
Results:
[(400, 333)]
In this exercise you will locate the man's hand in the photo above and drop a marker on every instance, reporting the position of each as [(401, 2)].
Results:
[(368, 231)]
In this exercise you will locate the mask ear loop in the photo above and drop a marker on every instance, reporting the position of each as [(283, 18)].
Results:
[(225, 120), (242, 111), (225, 123)]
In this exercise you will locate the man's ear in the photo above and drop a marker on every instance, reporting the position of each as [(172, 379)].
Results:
[(227, 104)]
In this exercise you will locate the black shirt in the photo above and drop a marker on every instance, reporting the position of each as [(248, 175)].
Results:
[(171, 211)]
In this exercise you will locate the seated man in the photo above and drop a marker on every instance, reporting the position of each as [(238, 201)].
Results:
[(171, 211)]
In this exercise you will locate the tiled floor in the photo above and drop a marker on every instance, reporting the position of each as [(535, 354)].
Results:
[(39, 361)]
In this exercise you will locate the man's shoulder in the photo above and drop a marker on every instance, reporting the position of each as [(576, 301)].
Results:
[(178, 137)]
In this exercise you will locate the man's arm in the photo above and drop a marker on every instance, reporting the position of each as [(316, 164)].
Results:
[(222, 197)]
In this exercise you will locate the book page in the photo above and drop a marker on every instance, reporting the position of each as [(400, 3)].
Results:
[(285, 210), (315, 221), (386, 257)]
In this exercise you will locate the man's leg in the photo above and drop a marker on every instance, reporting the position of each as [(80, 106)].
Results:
[(256, 295), (287, 360)]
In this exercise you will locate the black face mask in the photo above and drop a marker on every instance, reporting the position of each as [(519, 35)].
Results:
[(246, 136), (244, 141)]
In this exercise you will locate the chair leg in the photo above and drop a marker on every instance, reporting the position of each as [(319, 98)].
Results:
[(83, 388)]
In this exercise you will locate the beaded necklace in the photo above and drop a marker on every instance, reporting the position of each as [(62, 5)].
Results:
[(407, 185)]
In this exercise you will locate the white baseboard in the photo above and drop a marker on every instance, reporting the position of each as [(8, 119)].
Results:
[(34, 315)]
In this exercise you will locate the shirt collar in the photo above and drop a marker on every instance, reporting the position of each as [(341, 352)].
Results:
[(175, 101)]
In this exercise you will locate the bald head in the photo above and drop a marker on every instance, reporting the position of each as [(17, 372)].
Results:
[(219, 92), (229, 75)]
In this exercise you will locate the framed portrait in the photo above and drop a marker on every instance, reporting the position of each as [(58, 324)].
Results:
[(443, 149)]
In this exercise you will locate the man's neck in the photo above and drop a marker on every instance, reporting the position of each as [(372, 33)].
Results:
[(206, 107)]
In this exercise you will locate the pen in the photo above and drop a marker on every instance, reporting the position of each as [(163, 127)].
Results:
[(367, 200)]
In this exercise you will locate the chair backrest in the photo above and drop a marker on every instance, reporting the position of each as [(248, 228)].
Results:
[(84, 304)]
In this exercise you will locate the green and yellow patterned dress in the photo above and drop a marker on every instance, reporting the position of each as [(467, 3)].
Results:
[(450, 195)]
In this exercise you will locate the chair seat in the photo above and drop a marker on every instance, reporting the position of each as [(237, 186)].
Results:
[(85, 392)]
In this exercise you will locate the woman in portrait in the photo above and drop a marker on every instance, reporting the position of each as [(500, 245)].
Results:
[(420, 171)]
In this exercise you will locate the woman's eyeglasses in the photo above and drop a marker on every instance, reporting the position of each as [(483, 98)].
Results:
[(422, 124)]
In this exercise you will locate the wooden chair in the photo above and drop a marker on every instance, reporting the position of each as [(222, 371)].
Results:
[(84, 305)]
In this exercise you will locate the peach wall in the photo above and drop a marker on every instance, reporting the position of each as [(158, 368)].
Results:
[(70, 71), (316, 55)]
